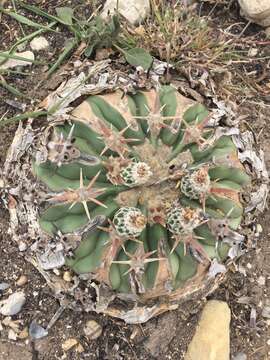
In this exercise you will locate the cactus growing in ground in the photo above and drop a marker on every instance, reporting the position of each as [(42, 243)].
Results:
[(166, 187)]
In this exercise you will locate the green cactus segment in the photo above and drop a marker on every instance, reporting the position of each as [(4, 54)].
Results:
[(123, 269), (217, 207), (48, 174), (92, 261), (174, 264), (87, 245), (109, 114), (123, 159), (235, 175), (115, 276), (156, 234), (187, 265), (205, 235), (223, 250), (142, 110), (66, 219), (226, 184), (197, 113), (85, 139), (168, 105), (225, 206), (67, 176), (224, 146), (192, 120)]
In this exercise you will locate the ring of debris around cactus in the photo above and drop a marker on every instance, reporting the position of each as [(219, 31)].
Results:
[(161, 188)]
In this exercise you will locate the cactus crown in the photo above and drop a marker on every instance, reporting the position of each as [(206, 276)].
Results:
[(149, 164)]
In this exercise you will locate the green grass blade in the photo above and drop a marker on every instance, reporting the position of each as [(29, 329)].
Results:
[(12, 89), (16, 57), (27, 115), (31, 36), (64, 55), (24, 20), (40, 12)]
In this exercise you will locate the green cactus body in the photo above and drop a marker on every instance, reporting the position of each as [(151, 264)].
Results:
[(150, 166)]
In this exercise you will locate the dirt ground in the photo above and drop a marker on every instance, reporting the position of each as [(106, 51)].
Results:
[(167, 336)]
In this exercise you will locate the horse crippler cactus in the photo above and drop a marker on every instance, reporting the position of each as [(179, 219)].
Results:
[(159, 184)]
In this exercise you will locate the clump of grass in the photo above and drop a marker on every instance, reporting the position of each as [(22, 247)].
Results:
[(178, 34)]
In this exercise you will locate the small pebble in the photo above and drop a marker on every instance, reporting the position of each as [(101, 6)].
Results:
[(22, 246), (36, 331), (69, 344), (12, 335), (261, 280), (39, 43), (252, 52), (92, 329), (4, 286), (67, 276), (13, 304), (266, 312), (14, 325), (22, 280), (79, 348)]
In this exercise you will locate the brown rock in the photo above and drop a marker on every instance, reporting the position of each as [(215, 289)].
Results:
[(69, 344), (212, 337), (22, 280), (92, 330), (79, 348), (67, 276)]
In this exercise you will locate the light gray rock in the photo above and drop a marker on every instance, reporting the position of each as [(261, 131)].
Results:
[(36, 331), (135, 11), (212, 337), (13, 304), (266, 312), (4, 286), (39, 43), (257, 11)]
